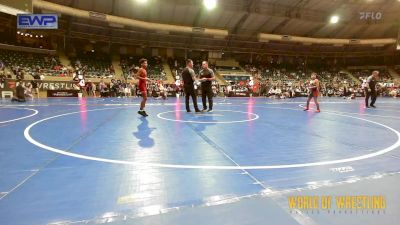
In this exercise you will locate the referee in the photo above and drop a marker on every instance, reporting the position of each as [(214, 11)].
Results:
[(206, 77), (370, 89), (189, 77)]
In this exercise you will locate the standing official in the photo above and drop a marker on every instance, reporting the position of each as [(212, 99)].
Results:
[(206, 77), (189, 78), (370, 89)]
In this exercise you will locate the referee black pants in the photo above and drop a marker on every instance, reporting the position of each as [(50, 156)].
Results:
[(191, 92), (371, 94), (207, 93)]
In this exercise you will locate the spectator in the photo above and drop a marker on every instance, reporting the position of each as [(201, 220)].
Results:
[(19, 93)]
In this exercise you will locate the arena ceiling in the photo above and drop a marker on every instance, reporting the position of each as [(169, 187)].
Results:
[(249, 17), (244, 19)]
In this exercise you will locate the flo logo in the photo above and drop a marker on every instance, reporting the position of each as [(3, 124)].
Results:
[(370, 15)]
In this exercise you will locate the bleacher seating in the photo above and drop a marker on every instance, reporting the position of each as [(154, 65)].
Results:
[(96, 64), (294, 77), (267, 75), (236, 78), (31, 63), (397, 69), (384, 75), (228, 68)]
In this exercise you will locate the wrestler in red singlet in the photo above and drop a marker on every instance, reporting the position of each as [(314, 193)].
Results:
[(314, 86), (142, 82), (142, 76)]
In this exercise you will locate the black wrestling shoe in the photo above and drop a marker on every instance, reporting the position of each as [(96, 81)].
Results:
[(142, 113), (188, 111), (373, 106), (198, 111), (210, 110)]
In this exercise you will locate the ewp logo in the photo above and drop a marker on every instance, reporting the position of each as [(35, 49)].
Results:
[(37, 21)]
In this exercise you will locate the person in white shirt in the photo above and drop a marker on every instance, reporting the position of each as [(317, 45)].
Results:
[(278, 92), (94, 89), (363, 82), (163, 91), (28, 91)]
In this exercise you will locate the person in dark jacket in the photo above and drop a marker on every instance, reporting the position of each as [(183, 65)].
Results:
[(370, 89), (19, 93), (189, 78), (207, 77)]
